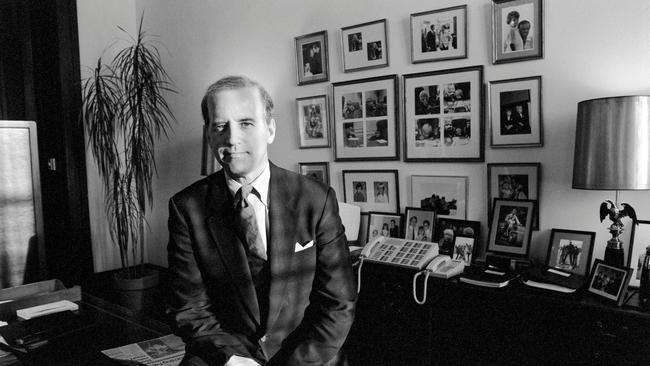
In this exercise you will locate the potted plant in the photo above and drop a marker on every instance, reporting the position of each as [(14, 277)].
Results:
[(125, 113)]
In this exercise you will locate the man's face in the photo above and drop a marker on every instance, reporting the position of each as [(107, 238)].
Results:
[(523, 30), (519, 109), (238, 132)]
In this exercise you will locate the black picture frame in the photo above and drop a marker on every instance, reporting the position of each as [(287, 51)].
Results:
[(447, 230), (524, 46), (570, 251), (516, 113), (419, 217), (377, 221), (508, 235), (504, 180), (312, 59), (372, 184), (313, 122), (639, 240), (609, 282), (319, 171)]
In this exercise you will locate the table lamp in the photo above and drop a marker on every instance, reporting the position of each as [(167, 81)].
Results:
[(612, 152)]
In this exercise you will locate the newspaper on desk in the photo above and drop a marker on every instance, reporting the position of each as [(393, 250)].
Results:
[(164, 351)]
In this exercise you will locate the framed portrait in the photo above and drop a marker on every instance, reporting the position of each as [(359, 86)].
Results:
[(365, 119), (372, 190), (447, 230), (443, 115), (517, 30), (439, 35), (514, 181), (446, 195), (319, 171), (313, 122), (510, 229), (365, 46), (570, 251), (384, 224), (419, 224), (639, 239), (312, 63), (608, 281), (516, 112)]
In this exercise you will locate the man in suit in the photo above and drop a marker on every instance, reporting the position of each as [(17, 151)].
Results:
[(231, 305)]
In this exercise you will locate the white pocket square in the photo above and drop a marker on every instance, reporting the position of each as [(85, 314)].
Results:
[(301, 247)]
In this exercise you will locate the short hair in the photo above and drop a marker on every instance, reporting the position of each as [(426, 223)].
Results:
[(448, 231), (359, 185), (233, 83), (426, 222), (523, 22)]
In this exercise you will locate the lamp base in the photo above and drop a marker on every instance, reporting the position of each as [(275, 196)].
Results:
[(614, 256)]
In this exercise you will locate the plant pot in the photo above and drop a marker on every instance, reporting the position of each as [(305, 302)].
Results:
[(136, 293)]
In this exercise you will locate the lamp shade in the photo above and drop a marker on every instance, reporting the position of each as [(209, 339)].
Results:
[(612, 147)]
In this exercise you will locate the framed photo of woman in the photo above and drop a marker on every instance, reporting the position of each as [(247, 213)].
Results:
[(312, 63), (517, 30)]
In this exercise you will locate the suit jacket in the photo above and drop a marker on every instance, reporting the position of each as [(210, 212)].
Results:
[(213, 305)]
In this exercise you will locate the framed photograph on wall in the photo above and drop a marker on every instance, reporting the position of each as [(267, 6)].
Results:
[(313, 122), (517, 30), (570, 251), (447, 230), (439, 35), (510, 229), (372, 190), (419, 224), (366, 119), (312, 59), (384, 224), (516, 112), (608, 281), (640, 239), (365, 46), (319, 171), (446, 195), (514, 181), (443, 115)]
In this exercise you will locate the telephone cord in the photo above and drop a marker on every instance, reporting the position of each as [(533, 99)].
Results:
[(426, 280), (359, 274)]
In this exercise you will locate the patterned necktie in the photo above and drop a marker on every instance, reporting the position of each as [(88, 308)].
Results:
[(247, 224)]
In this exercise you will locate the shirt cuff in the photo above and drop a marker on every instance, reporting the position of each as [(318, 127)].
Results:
[(235, 360)]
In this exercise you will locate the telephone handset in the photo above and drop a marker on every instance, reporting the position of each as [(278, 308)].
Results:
[(399, 252), (441, 266)]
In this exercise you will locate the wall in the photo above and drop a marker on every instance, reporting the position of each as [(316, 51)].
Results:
[(593, 48)]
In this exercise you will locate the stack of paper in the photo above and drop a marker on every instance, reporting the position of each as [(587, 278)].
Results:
[(45, 309)]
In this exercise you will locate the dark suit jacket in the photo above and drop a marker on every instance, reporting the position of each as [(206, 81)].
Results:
[(214, 306)]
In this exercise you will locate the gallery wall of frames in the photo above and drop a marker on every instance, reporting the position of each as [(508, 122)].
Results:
[(436, 116)]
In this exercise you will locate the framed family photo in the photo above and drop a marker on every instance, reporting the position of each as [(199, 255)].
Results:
[(517, 30), (419, 224), (366, 119), (319, 171), (640, 239), (446, 195), (514, 181), (516, 112), (510, 228), (571, 250), (313, 122), (372, 190), (439, 35), (608, 281), (443, 115), (365, 46), (311, 58), (384, 224), (457, 238)]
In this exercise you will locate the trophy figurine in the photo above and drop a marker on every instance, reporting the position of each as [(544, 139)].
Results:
[(614, 249)]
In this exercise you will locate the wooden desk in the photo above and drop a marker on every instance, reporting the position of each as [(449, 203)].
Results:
[(111, 326), (461, 324)]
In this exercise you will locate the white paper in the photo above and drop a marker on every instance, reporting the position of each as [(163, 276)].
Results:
[(164, 351)]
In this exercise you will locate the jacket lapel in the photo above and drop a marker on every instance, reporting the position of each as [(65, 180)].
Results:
[(220, 223)]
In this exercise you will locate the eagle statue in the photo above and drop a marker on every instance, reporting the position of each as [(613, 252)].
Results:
[(609, 209)]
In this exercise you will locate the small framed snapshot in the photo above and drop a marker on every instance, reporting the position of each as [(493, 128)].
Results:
[(446, 195), (312, 116), (517, 30), (365, 46), (570, 251), (384, 224), (419, 224), (640, 239), (372, 190), (311, 58), (514, 181), (516, 112), (608, 281), (439, 35), (366, 119), (319, 171), (443, 115), (447, 230), (510, 229)]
